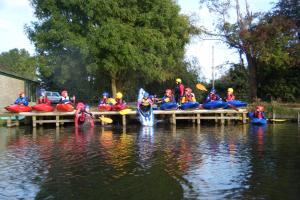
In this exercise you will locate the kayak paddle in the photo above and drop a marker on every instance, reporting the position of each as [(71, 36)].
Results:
[(125, 111), (106, 120), (199, 86)]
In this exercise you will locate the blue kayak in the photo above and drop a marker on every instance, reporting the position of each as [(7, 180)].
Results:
[(214, 104), (168, 106), (258, 121), (236, 103), (146, 116), (189, 105)]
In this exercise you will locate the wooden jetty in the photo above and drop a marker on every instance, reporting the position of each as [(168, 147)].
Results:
[(59, 118)]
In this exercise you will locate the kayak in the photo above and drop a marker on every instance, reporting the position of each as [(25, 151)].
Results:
[(42, 107), (119, 107), (146, 116), (18, 108), (236, 103), (104, 107), (64, 107), (258, 121), (214, 104), (168, 106), (189, 105)]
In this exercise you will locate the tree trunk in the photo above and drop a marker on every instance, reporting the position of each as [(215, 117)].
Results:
[(113, 85), (252, 67)]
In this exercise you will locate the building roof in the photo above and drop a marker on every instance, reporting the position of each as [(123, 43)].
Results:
[(4, 70)]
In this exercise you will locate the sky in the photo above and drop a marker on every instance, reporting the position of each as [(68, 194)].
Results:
[(15, 14)]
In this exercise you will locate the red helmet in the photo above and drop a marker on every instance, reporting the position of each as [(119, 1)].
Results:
[(168, 92), (80, 106), (64, 93), (260, 108), (188, 90)]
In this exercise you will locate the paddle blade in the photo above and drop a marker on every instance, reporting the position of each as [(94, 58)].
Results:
[(106, 120), (199, 86), (125, 111)]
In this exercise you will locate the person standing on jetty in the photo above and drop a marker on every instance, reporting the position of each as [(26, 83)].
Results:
[(178, 91)]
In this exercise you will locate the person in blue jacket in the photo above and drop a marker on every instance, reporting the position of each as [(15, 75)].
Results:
[(213, 96), (22, 99)]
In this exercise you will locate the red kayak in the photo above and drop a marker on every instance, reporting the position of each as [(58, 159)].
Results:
[(104, 107), (18, 108), (119, 107), (42, 107), (64, 107)]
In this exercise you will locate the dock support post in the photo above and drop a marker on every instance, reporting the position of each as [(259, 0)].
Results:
[(174, 118), (216, 119), (17, 121), (298, 118), (33, 121), (244, 118), (57, 120), (222, 119), (124, 120), (198, 119), (8, 122)]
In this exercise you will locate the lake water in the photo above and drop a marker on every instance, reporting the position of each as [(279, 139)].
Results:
[(164, 162)]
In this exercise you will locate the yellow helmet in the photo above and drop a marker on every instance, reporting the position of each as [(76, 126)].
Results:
[(119, 95), (230, 90), (178, 80)]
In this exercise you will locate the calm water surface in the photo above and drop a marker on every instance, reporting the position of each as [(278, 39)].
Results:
[(165, 162)]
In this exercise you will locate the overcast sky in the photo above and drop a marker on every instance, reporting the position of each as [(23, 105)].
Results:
[(14, 14)]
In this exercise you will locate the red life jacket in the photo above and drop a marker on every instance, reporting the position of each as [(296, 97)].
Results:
[(189, 97), (119, 101), (230, 97), (104, 101), (212, 97), (258, 115)]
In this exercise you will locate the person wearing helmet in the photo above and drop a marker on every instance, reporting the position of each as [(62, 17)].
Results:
[(22, 99), (230, 96), (43, 99), (178, 90), (188, 96), (119, 98), (213, 96), (169, 97), (82, 114), (65, 99), (104, 100), (259, 112)]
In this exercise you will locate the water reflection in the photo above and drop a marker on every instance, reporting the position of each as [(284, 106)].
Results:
[(171, 162)]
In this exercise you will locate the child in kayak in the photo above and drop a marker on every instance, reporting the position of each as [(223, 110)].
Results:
[(65, 99), (230, 96), (83, 113), (22, 99), (213, 96), (119, 103), (188, 96), (145, 102), (169, 97), (259, 113), (43, 99), (104, 100)]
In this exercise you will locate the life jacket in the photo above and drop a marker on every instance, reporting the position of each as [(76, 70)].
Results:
[(258, 115), (230, 97), (119, 101), (44, 100), (104, 101), (179, 90), (213, 97), (65, 100), (189, 97), (146, 102)]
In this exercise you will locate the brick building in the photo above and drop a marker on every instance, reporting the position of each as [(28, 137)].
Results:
[(12, 83)]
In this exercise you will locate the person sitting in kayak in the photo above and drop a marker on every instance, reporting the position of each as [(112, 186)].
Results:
[(259, 113), (65, 99), (119, 99), (169, 97), (146, 102), (230, 96), (189, 96), (213, 96), (43, 99), (22, 99), (178, 91), (104, 100), (82, 113)]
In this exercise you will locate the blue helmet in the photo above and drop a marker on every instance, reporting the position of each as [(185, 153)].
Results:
[(146, 95), (105, 94), (87, 106), (151, 96), (213, 90)]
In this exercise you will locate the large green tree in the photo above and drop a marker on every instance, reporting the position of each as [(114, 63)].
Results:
[(121, 39), (20, 61)]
